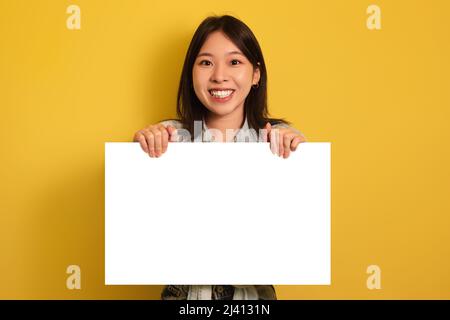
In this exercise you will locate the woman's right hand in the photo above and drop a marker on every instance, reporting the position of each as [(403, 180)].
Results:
[(154, 139)]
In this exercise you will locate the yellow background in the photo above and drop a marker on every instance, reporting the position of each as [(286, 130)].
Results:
[(381, 97)]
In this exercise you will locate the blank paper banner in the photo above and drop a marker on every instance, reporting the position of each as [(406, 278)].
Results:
[(217, 213)]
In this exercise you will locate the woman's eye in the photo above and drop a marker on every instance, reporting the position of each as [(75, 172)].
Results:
[(208, 63)]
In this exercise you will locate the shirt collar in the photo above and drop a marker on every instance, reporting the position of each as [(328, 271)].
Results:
[(243, 135)]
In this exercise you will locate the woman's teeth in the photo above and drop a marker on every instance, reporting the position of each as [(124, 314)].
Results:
[(220, 94)]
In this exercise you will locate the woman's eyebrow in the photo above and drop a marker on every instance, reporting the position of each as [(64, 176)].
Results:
[(211, 55)]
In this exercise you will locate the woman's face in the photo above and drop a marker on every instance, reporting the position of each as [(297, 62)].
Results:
[(222, 75)]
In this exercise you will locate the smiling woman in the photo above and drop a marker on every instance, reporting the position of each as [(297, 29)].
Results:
[(221, 73), (223, 87), (224, 78)]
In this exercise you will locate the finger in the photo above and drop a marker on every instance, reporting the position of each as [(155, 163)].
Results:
[(172, 133), (274, 140), (281, 144), (286, 144), (150, 142), (136, 136), (164, 138), (143, 143), (158, 144), (297, 140), (267, 128)]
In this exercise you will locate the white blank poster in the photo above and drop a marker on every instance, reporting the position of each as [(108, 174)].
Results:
[(217, 213)]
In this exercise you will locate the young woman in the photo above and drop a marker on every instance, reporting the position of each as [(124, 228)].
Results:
[(222, 97)]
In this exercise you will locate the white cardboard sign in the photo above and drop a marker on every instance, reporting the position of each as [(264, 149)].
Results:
[(217, 213)]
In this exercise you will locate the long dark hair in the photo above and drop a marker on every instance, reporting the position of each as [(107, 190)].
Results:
[(189, 107)]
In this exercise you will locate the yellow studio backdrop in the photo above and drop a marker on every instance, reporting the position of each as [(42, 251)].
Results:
[(381, 96)]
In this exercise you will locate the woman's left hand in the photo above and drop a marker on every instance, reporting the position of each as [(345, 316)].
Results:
[(283, 140)]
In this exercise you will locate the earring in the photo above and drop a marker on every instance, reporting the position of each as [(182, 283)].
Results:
[(255, 86)]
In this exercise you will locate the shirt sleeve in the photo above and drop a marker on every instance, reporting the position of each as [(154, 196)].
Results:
[(284, 125), (175, 123)]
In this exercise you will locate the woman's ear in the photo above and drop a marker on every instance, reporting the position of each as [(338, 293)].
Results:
[(256, 75)]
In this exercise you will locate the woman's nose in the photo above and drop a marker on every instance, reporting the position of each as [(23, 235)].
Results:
[(219, 73)]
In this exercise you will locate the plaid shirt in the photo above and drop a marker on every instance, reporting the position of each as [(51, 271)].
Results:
[(220, 292)]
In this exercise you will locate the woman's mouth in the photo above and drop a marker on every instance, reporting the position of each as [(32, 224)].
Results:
[(221, 95)]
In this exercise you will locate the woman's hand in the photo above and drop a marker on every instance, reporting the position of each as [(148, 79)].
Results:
[(283, 140), (154, 139)]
